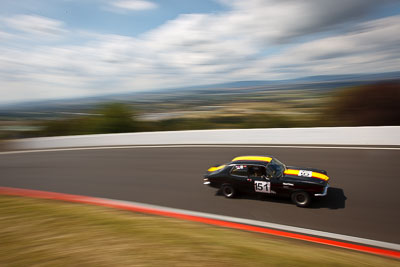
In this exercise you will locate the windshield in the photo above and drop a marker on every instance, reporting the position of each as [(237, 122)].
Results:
[(275, 169)]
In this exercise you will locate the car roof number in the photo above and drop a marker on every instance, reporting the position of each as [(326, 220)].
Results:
[(305, 173)]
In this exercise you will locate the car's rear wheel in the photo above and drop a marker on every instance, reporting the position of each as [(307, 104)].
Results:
[(301, 198), (228, 190)]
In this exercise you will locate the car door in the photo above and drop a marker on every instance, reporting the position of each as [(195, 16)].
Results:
[(260, 182), (268, 185)]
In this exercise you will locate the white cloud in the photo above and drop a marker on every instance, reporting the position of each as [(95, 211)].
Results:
[(271, 21), (135, 5), (35, 25), (373, 46), (5, 36)]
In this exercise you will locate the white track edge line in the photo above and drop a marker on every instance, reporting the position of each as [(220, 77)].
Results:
[(294, 229), (189, 146)]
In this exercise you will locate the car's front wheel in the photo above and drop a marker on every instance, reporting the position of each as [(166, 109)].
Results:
[(301, 198), (228, 190)]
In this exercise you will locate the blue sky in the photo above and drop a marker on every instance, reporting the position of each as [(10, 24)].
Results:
[(103, 17), (53, 49)]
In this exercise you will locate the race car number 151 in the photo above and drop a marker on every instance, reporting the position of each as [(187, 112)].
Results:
[(262, 187)]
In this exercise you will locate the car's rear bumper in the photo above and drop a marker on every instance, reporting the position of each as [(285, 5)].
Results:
[(324, 192)]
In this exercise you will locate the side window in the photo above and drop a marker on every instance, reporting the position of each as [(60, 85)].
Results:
[(256, 171), (239, 170)]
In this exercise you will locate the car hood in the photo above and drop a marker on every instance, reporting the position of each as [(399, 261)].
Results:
[(308, 174)]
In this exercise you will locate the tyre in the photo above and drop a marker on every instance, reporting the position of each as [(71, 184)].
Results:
[(301, 198), (228, 190)]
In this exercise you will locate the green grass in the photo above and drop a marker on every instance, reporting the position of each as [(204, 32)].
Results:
[(36, 232)]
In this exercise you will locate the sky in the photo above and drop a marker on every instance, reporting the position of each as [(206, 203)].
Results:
[(54, 49)]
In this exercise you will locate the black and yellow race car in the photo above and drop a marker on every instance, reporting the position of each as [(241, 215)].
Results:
[(267, 175)]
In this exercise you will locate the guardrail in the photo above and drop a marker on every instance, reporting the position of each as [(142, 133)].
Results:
[(378, 136)]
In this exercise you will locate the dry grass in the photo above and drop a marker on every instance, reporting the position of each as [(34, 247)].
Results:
[(51, 233)]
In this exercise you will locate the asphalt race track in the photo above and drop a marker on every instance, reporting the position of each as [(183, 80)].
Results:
[(363, 200)]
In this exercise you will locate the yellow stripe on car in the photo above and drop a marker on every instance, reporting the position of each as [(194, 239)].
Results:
[(257, 158), (213, 169), (320, 176), (292, 172), (314, 174)]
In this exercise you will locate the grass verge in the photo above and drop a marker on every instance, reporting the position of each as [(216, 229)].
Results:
[(35, 232)]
